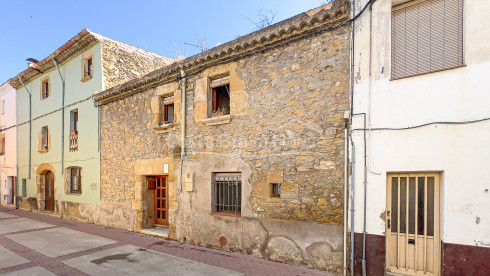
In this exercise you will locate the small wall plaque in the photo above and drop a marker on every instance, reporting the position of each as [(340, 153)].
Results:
[(165, 168)]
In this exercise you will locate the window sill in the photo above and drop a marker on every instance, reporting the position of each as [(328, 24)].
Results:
[(411, 76), (226, 119), (85, 79), (43, 151), (75, 194), (164, 128), (226, 215)]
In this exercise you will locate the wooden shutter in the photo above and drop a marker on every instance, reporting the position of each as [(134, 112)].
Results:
[(215, 100), (49, 139), (40, 146), (426, 37)]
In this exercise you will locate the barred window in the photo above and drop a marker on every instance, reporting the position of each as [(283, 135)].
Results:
[(227, 193), (74, 175), (426, 37)]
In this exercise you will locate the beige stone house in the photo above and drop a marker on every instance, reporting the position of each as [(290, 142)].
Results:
[(239, 148)]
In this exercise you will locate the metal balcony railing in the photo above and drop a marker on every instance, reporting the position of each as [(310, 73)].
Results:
[(74, 141)]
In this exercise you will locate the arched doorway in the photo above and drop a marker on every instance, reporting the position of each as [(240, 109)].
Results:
[(49, 191), (46, 188)]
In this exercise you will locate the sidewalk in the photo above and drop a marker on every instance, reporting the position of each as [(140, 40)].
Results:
[(38, 244)]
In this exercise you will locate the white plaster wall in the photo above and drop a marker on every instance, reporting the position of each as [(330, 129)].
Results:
[(459, 151), (8, 161)]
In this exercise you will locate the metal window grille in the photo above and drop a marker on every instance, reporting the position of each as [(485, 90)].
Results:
[(75, 180), (426, 37), (227, 193)]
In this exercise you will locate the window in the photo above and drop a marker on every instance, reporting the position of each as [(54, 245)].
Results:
[(74, 120), (426, 37), (275, 190), (45, 88), (2, 143), (3, 107), (24, 187), (220, 97), (87, 66), (227, 193), (74, 130), (44, 140), (168, 110), (74, 176)]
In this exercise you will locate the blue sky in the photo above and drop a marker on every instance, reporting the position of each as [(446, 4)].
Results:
[(35, 29)]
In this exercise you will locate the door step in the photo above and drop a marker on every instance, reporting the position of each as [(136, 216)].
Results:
[(156, 231)]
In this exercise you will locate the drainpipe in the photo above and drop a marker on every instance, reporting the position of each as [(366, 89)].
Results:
[(352, 210), (182, 150), (62, 119), (365, 159), (346, 172), (352, 62), (17, 154), (30, 125)]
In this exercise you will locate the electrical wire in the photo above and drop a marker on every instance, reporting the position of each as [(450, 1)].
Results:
[(249, 54), (424, 125)]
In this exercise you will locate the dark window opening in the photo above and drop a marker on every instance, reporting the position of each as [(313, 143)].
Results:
[(227, 193), (45, 89), (221, 100), (276, 190), (44, 138), (168, 110), (88, 67)]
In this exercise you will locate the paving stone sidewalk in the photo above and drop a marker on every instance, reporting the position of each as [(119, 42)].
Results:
[(40, 244)]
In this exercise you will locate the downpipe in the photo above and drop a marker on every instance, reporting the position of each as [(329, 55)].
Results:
[(30, 126), (352, 211), (183, 125), (62, 119), (346, 172)]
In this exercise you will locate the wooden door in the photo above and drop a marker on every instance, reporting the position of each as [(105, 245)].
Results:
[(413, 245), (11, 189), (49, 191), (161, 203)]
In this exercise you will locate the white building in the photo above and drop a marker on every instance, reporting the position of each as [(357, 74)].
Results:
[(421, 74), (8, 145)]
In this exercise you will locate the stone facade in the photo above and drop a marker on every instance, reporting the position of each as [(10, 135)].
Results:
[(285, 127), (122, 62)]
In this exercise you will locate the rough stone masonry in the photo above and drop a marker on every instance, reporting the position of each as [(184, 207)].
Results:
[(288, 89)]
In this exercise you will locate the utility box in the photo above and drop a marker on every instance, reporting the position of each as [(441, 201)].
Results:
[(189, 182)]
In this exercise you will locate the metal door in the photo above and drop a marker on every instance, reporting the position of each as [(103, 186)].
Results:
[(49, 191), (413, 245), (161, 203)]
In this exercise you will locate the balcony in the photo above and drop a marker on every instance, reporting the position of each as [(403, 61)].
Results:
[(74, 141)]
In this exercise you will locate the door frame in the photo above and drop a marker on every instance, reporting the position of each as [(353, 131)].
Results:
[(46, 190), (437, 247), (157, 221)]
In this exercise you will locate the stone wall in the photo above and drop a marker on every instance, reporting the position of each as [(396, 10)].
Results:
[(286, 126), (122, 62)]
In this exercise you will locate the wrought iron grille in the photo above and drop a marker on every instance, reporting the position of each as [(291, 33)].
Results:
[(227, 193), (426, 37)]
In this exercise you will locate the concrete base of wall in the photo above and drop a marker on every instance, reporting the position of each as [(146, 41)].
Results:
[(457, 259), (375, 254), (28, 203), (117, 215), (465, 259), (301, 243)]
